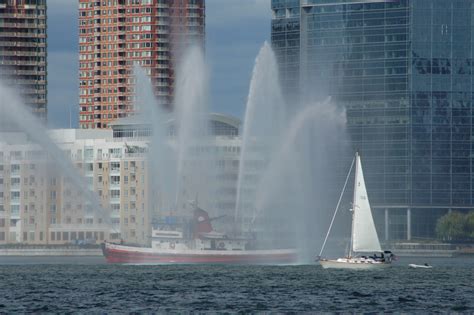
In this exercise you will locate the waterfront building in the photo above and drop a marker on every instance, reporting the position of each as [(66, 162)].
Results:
[(40, 204), (403, 71), (23, 51), (116, 34)]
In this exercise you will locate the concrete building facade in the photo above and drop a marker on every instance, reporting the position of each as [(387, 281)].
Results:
[(40, 204)]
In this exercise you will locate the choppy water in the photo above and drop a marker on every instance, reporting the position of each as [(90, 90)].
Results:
[(90, 286)]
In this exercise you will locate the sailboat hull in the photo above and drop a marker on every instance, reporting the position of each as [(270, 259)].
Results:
[(354, 264)]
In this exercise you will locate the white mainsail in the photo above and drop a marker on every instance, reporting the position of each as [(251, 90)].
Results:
[(364, 235)]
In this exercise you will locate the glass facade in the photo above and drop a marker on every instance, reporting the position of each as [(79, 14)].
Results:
[(403, 71), (286, 41)]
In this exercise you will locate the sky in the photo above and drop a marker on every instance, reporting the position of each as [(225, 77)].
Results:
[(235, 31)]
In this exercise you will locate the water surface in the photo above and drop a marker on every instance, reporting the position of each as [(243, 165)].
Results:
[(88, 285)]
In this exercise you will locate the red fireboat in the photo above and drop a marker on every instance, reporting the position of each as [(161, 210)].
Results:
[(195, 242)]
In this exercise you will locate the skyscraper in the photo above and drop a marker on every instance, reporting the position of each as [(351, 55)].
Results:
[(23, 50), (403, 71), (116, 34)]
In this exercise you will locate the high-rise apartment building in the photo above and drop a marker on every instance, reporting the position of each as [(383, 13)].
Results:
[(114, 35), (23, 50), (403, 71)]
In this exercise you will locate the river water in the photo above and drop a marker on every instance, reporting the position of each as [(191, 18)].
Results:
[(88, 285)]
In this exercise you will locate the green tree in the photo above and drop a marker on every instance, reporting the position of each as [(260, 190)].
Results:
[(452, 227), (470, 225)]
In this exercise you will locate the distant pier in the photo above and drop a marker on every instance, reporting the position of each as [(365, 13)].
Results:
[(38, 251), (432, 249)]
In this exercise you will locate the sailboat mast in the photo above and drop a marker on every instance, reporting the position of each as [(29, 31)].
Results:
[(356, 173), (337, 207)]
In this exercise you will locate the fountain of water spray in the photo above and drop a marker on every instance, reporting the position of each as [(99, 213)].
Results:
[(161, 155), (17, 115), (265, 120), (297, 185), (175, 180), (192, 127), (291, 151)]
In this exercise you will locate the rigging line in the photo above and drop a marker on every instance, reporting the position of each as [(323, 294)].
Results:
[(337, 207)]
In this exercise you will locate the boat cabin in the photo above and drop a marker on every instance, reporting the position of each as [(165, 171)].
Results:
[(172, 233)]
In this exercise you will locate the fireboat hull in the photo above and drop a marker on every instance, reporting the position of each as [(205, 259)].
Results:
[(137, 255)]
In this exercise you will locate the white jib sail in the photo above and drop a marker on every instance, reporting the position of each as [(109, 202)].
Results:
[(364, 235)]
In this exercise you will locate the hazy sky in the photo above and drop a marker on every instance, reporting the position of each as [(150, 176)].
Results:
[(235, 30)]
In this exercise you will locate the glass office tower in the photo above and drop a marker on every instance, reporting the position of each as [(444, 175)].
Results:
[(286, 36), (403, 71)]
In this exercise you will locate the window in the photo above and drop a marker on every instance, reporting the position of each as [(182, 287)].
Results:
[(115, 166), (115, 194), (15, 168), (15, 195), (115, 180)]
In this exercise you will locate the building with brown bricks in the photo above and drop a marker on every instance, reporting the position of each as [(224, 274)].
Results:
[(114, 35)]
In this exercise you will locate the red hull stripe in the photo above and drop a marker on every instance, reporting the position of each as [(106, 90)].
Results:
[(120, 256)]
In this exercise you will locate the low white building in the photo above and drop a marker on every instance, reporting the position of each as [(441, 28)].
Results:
[(42, 201)]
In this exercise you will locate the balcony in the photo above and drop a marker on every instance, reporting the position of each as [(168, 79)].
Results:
[(22, 53), (34, 63), (23, 16), (162, 84), (161, 76), (14, 215), (23, 35), (15, 172), (115, 183), (163, 31), (15, 187), (116, 156), (15, 43), (30, 72), (163, 40), (115, 171), (114, 199)]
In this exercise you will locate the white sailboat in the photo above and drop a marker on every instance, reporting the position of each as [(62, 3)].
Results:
[(364, 237)]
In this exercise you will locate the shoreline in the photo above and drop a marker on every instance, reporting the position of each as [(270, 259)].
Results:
[(48, 252), (97, 252)]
